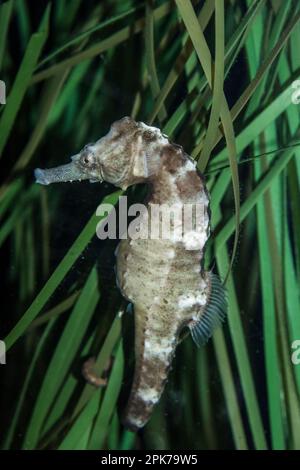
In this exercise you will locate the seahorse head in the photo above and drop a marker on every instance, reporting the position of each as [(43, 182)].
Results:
[(128, 154)]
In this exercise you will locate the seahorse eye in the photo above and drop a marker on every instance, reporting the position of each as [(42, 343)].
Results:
[(88, 157)]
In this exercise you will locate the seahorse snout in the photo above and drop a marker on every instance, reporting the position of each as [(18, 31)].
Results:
[(70, 172), (40, 176)]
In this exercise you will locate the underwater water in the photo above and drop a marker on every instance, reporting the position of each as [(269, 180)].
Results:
[(220, 79)]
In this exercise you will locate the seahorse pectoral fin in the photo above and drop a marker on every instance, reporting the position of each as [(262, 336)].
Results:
[(213, 315)]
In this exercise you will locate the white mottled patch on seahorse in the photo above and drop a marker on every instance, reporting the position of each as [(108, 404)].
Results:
[(189, 300), (182, 170), (161, 139), (194, 240), (186, 301), (157, 352), (139, 423), (201, 299), (170, 253), (196, 317), (174, 196), (160, 341), (190, 164), (149, 395), (160, 347), (203, 200)]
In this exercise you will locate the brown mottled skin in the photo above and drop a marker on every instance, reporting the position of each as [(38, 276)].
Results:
[(162, 278)]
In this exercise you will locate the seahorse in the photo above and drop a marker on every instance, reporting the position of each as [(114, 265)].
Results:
[(164, 278)]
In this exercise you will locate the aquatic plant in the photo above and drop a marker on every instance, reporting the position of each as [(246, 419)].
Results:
[(220, 78)]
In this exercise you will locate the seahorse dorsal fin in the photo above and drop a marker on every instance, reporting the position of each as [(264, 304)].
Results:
[(213, 315)]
